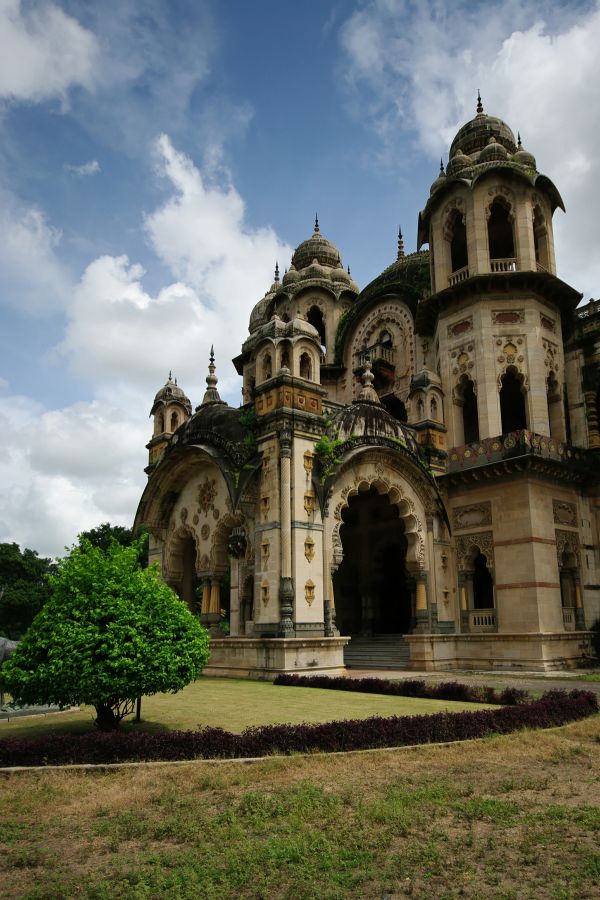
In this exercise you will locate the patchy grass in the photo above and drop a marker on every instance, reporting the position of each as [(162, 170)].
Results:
[(589, 676), (236, 704), (514, 816)]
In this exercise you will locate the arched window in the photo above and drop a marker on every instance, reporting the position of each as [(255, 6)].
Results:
[(385, 339), (285, 317), (500, 232), (315, 317), (174, 421), (555, 420), (512, 402), (285, 355), (483, 583), (433, 409), (420, 410), (306, 366), (470, 414), (458, 242), (267, 367), (540, 240), (160, 423)]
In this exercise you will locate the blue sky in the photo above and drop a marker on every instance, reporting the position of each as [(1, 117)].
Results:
[(158, 156)]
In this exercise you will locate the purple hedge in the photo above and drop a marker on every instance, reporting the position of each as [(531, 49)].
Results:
[(554, 708), (447, 690)]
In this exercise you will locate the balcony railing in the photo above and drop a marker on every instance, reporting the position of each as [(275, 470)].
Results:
[(503, 265), (458, 276), (482, 620), (509, 446), (377, 353), (568, 618)]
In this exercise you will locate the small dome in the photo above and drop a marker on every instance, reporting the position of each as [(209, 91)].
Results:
[(493, 151), (170, 392), (316, 248), (476, 134), (524, 158), (291, 275), (458, 163), (298, 325)]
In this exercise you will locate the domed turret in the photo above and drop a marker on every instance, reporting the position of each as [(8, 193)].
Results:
[(316, 248), (476, 134), (170, 392), (171, 408)]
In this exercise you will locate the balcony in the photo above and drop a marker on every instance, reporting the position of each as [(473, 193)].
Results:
[(377, 353), (569, 618), (503, 265), (458, 276), (482, 621), (509, 446)]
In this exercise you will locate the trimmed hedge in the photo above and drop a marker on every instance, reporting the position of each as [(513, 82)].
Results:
[(554, 708), (447, 690)]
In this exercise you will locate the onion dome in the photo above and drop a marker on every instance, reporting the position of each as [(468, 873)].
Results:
[(367, 418), (440, 180), (476, 134), (170, 392), (493, 152), (316, 248), (523, 157), (291, 275), (458, 163)]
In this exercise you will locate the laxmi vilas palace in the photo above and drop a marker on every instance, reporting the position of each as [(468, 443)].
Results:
[(414, 477)]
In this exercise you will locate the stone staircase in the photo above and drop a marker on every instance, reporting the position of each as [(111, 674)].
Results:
[(385, 651)]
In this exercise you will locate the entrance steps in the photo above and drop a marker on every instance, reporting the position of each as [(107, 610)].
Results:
[(383, 651)]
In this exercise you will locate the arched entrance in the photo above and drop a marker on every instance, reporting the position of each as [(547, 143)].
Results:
[(373, 587)]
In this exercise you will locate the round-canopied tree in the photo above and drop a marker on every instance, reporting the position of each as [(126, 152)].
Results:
[(111, 632)]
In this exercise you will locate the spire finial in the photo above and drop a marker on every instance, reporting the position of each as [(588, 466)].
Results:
[(442, 172), (277, 272), (479, 103), (317, 224), (368, 394), (400, 243), (519, 145), (211, 394), (348, 268), (170, 375)]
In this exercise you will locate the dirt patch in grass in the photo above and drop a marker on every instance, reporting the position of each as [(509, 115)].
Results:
[(513, 816)]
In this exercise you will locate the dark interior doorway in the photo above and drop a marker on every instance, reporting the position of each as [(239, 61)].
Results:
[(373, 588), (512, 402)]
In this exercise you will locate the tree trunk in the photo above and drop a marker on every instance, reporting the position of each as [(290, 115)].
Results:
[(106, 720)]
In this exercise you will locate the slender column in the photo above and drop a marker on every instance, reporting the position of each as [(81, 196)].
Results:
[(205, 608), (234, 601), (579, 614), (214, 606), (592, 415), (464, 603), (421, 610), (433, 573), (328, 602), (286, 583)]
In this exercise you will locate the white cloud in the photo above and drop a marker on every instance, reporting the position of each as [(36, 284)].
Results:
[(66, 470), (43, 52), (33, 277), (417, 69), (89, 168)]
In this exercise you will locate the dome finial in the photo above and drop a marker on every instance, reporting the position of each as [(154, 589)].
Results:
[(211, 395), (170, 375), (317, 224), (519, 145), (479, 104), (400, 243), (442, 167), (348, 268), (276, 273), (368, 394)]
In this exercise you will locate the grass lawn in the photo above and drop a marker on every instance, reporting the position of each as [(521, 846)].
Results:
[(235, 704), (514, 816)]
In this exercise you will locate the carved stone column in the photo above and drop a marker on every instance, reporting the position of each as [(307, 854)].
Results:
[(579, 614), (213, 616), (421, 608), (205, 607), (464, 603), (592, 416), (286, 583)]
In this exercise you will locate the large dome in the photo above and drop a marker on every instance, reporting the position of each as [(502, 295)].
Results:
[(371, 421), (319, 248)]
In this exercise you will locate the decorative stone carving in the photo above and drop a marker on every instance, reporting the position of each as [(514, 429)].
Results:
[(264, 593), (566, 542), (547, 323), (206, 494), (472, 516), (461, 327), (183, 515), (205, 532), (564, 513), (466, 544), (309, 592), (508, 316), (308, 462), (309, 549), (195, 518), (265, 505), (216, 514), (309, 503), (265, 549), (238, 542)]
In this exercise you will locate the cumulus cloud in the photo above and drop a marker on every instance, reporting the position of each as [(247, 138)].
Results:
[(89, 168), (34, 279), (415, 71), (43, 52)]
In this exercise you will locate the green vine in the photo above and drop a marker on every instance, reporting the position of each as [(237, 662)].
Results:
[(249, 421), (328, 453)]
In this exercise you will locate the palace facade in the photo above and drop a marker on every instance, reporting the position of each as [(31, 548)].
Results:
[(414, 477)]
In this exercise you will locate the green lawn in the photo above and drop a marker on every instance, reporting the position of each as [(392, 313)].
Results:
[(234, 704), (515, 817)]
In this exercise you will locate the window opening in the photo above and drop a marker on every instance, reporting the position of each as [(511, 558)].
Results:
[(512, 402)]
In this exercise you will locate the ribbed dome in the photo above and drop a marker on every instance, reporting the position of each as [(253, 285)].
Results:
[(319, 248), (371, 420), (493, 151), (524, 158), (458, 163), (476, 134), (171, 392)]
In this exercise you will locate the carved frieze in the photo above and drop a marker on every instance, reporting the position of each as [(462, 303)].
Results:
[(206, 494), (564, 513), (461, 327), (508, 316), (472, 516), (566, 542)]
